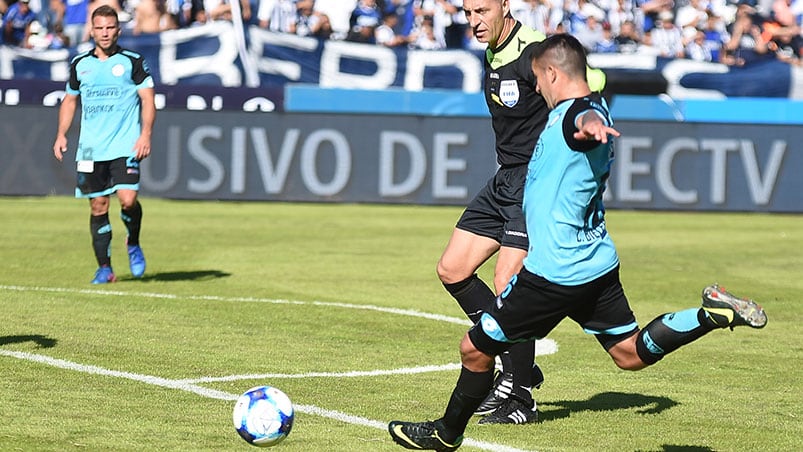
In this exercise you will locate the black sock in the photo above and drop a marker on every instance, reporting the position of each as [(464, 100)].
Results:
[(519, 361), (132, 218), (473, 296), (101, 232), (669, 332), (468, 394)]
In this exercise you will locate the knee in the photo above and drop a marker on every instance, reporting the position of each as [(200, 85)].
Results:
[(449, 274), (473, 359)]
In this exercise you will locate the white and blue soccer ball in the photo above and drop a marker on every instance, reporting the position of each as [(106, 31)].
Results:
[(263, 416)]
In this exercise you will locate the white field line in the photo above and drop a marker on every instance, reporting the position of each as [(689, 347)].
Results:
[(544, 346), (220, 395)]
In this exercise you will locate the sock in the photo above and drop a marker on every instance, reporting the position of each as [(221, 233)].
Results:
[(101, 232), (473, 296), (519, 361), (669, 332), (468, 394), (132, 218)]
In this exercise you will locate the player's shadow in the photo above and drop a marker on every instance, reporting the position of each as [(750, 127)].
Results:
[(41, 341), (197, 275), (673, 448), (606, 401)]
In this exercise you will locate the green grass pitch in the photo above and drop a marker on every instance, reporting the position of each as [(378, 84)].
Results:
[(339, 306)]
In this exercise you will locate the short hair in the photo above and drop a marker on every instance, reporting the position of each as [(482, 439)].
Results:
[(106, 11), (564, 51)]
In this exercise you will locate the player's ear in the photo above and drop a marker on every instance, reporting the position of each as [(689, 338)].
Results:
[(505, 7)]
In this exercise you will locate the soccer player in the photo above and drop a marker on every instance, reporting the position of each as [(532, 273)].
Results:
[(493, 221), (572, 269), (117, 116)]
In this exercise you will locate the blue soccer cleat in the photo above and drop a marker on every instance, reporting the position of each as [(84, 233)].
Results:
[(104, 275), (136, 260)]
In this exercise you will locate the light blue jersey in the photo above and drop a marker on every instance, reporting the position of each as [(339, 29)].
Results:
[(569, 244), (110, 105)]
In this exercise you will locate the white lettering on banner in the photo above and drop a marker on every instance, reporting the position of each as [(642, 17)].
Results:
[(388, 141), (627, 168), (334, 51), (442, 165), (288, 69), (172, 166), (760, 184), (273, 178), (221, 63), (195, 146), (309, 167)]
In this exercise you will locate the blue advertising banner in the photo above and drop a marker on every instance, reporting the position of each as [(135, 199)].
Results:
[(217, 55)]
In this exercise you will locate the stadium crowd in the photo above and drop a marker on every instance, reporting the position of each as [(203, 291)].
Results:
[(734, 32)]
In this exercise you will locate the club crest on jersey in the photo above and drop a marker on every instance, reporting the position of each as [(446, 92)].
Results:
[(509, 93), (118, 70)]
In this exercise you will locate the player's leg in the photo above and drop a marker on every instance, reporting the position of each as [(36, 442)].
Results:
[(101, 232), (668, 332), (126, 173), (94, 183), (464, 254)]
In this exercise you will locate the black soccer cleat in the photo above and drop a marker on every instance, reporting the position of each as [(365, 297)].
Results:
[(503, 386), (727, 310), (421, 436), (513, 411)]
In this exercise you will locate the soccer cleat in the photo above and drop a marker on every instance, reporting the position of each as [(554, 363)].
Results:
[(726, 310), (503, 386), (512, 411), (420, 436), (136, 260), (104, 275)]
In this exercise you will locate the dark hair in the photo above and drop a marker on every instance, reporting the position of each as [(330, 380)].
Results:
[(105, 11), (565, 51)]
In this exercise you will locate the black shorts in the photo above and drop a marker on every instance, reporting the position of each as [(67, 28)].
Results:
[(108, 177), (496, 210), (530, 307)]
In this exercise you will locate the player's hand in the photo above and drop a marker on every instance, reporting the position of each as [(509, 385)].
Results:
[(595, 131), (142, 148), (59, 148)]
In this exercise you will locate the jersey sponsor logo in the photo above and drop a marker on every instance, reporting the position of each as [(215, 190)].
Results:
[(509, 93), (118, 70), (102, 92)]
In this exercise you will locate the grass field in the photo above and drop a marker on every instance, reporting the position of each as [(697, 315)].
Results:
[(339, 306)]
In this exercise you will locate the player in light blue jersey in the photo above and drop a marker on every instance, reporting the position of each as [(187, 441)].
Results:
[(117, 116), (571, 269)]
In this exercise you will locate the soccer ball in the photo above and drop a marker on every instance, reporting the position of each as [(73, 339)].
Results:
[(263, 416)]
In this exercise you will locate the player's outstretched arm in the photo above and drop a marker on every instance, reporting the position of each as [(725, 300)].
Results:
[(590, 126)]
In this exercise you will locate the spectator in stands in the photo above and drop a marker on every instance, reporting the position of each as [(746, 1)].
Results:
[(151, 16), (424, 36), (339, 13), (52, 15), (278, 15), (621, 12), (648, 11), (666, 37), (385, 33), (697, 50), (75, 14), (222, 10), (589, 33), (606, 44), (455, 23), (746, 45), (365, 18), (691, 17), (628, 40), (310, 22), (788, 47), (186, 13), (533, 13), (715, 36), (404, 12), (782, 12), (17, 24)]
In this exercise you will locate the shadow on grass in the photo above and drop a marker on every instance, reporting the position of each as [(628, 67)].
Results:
[(41, 341), (606, 401), (671, 448), (198, 275)]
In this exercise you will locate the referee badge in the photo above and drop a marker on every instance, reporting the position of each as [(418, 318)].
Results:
[(509, 93)]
